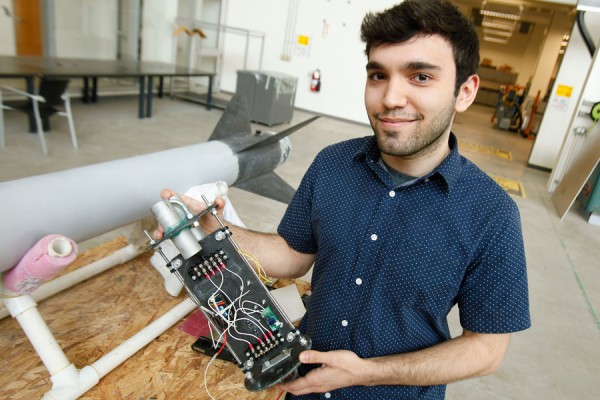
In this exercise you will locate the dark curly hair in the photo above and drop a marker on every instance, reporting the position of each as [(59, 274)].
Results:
[(426, 17)]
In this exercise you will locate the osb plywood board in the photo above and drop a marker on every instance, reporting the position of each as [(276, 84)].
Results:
[(94, 317)]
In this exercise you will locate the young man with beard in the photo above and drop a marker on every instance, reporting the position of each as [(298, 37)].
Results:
[(401, 228)]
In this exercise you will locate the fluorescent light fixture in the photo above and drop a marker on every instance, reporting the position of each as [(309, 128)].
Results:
[(510, 12), (496, 14), (496, 32), (498, 25), (495, 39)]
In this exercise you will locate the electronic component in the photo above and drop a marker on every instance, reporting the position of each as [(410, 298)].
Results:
[(260, 337)]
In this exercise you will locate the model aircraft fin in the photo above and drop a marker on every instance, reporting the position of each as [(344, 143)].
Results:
[(234, 121), (277, 137), (269, 185)]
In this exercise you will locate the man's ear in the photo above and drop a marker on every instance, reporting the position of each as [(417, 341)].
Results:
[(466, 94)]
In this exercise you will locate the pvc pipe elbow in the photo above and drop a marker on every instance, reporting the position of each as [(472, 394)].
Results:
[(71, 383)]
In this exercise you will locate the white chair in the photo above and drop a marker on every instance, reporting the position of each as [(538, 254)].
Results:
[(52, 93)]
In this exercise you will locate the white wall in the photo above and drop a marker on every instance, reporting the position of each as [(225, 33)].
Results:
[(86, 29), (560, 109), (158, 25), (338, 53), (559, 26), (7, 29)]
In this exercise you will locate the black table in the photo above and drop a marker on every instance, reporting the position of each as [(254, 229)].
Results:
[(30, 68)]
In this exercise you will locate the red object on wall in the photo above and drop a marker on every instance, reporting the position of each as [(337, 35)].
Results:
[(315, 81)]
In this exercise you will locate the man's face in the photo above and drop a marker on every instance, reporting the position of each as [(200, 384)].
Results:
[(409, 95)]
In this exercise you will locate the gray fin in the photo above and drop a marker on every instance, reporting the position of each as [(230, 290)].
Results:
[(269, 185), (277, 137), (234, 121)]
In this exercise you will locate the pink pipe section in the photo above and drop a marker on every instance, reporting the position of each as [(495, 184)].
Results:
[(45, 259)]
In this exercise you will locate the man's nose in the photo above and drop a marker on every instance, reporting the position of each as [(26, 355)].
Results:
[(395, 95)]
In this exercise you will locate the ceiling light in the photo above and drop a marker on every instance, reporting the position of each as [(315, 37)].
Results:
[(496, 14), (498, 25), (506, 11), (496, 32), (495, 39)]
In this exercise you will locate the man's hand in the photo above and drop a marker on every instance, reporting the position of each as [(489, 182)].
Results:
[(340, 368), (195, 207)]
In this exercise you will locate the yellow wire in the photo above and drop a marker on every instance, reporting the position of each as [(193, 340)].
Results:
[(259, 269)]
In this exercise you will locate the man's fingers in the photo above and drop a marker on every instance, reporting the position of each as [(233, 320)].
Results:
[(166, 194), (311, 357), (158, 233)]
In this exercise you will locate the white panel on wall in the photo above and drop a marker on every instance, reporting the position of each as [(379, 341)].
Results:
[(560, 26), (7, 29), (86, 29)]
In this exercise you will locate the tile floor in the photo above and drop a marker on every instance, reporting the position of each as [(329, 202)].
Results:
[(558, 358)]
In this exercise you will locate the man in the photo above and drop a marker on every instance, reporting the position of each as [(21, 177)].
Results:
[(400, 228)]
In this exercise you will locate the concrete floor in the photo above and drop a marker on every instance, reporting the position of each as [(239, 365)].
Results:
[(556, 359)]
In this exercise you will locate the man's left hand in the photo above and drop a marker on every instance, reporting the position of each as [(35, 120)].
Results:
[(339, 368)]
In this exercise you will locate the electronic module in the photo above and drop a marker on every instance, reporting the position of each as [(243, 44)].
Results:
[(238, 306)]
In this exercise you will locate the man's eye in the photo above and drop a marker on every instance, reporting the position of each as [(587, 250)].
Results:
[(421, 78), (376, 76)]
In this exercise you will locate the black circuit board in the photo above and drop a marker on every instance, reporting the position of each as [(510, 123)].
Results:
[(239, 306)]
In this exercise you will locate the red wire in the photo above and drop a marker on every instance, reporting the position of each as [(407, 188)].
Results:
[(280, 394), (224, 342)]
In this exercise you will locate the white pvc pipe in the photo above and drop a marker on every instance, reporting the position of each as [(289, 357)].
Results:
[(72, 383), (57, 285), (24, 309), (128, 348)]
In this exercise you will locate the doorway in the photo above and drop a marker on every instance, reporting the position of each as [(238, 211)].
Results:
[(28, 27)]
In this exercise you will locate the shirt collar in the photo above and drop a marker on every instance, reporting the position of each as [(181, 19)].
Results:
[(449, 170)]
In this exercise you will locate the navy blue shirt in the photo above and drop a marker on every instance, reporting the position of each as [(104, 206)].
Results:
[(392, 261)]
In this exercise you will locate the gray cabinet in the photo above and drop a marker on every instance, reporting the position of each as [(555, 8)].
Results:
[(269, 95)]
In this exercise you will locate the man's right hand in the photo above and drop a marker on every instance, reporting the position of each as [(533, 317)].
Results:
[(208, 223)]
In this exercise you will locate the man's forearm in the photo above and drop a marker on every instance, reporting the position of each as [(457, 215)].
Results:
[(466, 356), (273, 253)]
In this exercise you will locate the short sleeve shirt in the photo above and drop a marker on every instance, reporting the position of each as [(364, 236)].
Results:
[(392, 261)]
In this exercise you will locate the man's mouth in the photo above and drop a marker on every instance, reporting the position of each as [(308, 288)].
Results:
[(393, 119)]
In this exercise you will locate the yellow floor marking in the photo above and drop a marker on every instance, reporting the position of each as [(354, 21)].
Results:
[(507, 155), (511, 186)]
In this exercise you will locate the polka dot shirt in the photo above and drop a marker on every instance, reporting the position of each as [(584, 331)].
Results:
[(393, 260)]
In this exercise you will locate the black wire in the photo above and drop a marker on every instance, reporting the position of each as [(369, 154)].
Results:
[(584, 33)]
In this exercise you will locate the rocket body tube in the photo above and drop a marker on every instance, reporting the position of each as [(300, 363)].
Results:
[(85, 202)]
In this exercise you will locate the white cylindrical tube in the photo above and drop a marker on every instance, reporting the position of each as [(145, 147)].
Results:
[(120, 193), (129, 347), (24, 309), (81, 274), (75, 383)]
